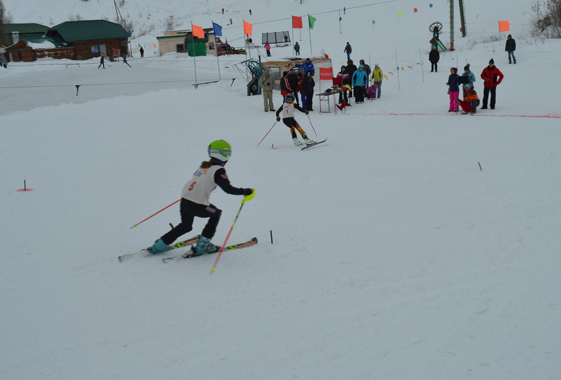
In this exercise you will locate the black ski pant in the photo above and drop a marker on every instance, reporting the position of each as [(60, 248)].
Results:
[(486, 92), (296, 96), (359, 93), (309, 100), (433, 67), (189, 210)]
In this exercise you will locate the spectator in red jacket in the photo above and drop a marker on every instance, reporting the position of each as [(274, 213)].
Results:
[(285, 86), (489, 76)]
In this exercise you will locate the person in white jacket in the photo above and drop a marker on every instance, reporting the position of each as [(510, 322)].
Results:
[(195, 200)]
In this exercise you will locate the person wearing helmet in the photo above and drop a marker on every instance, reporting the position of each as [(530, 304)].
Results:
[(287, 110), (195, 200)]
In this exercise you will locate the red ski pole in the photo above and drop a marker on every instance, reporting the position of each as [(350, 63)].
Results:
[(312, 125), (267, 133), (154, 214), (245, 199)]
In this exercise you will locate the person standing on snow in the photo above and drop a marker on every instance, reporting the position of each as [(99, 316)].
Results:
[(434, 57), (141, 52), (195, 201), (471, 79), (268, 49), (267, 83), (348, 50), (359, 84), (510, 47), (489, 76), (378, 76), (297, 48), (345, 80), (287, 110), (453, 90), (308, 66), (285, 86), (367, 70), (293, 80), (351, 68), (308, 85)]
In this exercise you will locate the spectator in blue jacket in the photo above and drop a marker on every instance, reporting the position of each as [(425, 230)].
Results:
[(308, 66), (359, 83), (471, 79)]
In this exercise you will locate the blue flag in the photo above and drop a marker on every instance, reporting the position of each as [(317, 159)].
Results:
[(217, 29), (430, 5)]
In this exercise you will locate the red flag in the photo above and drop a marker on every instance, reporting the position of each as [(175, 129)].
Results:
[(296, 22), (247, 28), (325, 73), (415, 9), (504, 26), (198, 31)]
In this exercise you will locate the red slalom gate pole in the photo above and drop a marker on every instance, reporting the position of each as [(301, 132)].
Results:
[(267, 133), (154, 214), (245, 199)]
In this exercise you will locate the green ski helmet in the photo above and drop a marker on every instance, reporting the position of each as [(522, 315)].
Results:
[(220, 150)]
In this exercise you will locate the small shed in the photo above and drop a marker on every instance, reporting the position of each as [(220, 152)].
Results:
[(182, 41)]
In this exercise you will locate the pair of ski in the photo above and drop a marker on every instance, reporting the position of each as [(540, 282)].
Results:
[(190, 253), (314, 144)]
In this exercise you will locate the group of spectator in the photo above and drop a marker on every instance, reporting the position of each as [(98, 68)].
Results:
[(290, 83), (358, 81)]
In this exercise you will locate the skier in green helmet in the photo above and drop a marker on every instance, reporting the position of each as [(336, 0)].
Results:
[(195, 200)]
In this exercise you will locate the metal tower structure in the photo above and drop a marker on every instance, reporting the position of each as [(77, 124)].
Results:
[(462, 20)]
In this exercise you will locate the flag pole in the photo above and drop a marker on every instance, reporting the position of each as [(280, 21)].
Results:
[(292, 32), (194, 59), (310, 31), (216, 46)]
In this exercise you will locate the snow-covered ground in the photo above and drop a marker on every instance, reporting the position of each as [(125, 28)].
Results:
[(395, 256)]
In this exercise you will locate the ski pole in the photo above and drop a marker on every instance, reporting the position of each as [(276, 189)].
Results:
[(154, 214), (312, 125), (267, 133), (245, 199)]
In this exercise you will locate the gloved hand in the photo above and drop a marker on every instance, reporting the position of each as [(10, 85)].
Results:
[(247, 191), (307, 113), (278, 118), (248, 197)]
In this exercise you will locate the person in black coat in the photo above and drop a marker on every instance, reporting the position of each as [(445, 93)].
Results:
[(510, 47), (350, 69), (434, 57), (308, 84), (293, 81)]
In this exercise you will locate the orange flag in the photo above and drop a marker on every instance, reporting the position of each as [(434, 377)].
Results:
[(296, 22), (504, 26), (198, 31), (247, 28)]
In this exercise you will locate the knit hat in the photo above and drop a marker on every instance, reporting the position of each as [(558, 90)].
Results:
[(361, 66), (466, 68), (492, 61)]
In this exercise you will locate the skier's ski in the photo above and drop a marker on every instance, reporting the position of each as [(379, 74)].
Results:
[(314, 144), (180, 244), (232, 247)]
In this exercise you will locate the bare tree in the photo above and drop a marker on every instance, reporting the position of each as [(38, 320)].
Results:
[(2, 16), (547, 18), (169, 23)]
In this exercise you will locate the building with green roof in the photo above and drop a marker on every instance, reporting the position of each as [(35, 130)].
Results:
[(77, 40)]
